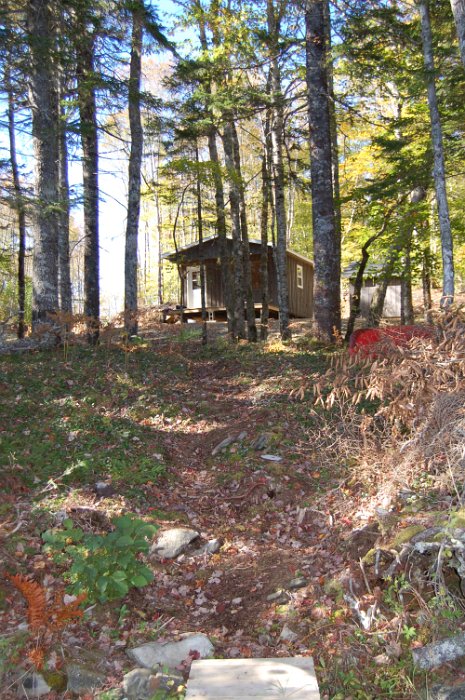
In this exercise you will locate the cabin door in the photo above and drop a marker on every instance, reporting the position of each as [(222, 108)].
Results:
[(194, 294)]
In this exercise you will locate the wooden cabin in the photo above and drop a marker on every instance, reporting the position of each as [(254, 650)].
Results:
[(392, 302), (189, 258)]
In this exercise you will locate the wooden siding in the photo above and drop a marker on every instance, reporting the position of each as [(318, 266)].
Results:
[(392, 302), (300, 300)]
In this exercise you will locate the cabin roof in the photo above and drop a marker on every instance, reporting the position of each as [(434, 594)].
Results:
[(252, 241), (372, 270)]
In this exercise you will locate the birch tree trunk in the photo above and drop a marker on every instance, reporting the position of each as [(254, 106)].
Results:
[(134, 176), (326, 242), (458, 8), (42, 99), (438, 156), (19, 202), (277, 141), (89, 141), (203, 298), (264, 216)]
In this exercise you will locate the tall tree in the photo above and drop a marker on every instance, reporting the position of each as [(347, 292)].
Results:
[(274, 18), (135, 164), (439, 171), (458, 8), (326, 243), (42, 98), (86, 32), (18, 199)]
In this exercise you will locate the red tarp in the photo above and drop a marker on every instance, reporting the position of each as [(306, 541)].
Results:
[(369, 341)]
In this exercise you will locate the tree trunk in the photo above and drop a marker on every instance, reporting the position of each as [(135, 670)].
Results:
[(406, 300), (333, 130), (438, 155), (277, 141), (326, 242), (89, 140), (238, 260), (377, 302), (248, 291), (458, 8), (134, 176), (64, 267), (226, 276), (203, 299), (19, 203), (264, 243), (42, 99), (426, 284)]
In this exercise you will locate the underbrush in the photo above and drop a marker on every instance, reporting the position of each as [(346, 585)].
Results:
[(396, 419)]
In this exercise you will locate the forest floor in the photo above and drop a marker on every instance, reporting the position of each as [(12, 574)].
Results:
[(147, 420)]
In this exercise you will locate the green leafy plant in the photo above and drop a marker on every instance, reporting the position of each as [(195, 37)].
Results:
[(105, 566)]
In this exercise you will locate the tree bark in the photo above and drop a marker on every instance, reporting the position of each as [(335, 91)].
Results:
[(42, 99), (238, 259), (248, 291), (134, 176), (225, 260), (266, 194), (277, 141), (438, 156), (89, 140), (64, 267), (326, 243), (19, 203), (203, 299), (458, 9), (406, 299)]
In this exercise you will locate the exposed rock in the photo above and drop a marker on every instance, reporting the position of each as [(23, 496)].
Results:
[(210, 547), (104, 489), (33, 686), (433, 655), (298, 582), (170, 543), (261, 441), (271, 458), (223, 445), (82, 679), (278, 597), (140, 684), (171, 654), (288, 635), (444, 692)]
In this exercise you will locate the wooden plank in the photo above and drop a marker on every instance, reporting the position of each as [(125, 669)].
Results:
[(253, 679)]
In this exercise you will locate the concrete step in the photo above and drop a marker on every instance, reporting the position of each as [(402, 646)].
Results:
[(290, 678)]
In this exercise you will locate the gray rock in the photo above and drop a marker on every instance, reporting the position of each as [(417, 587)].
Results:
[(210, 547), (271, 458), (263, 440), (278, 597), (433, 655), (171, 654), (288, 635), (104, 489), (170, 543), (33, 686), (140, 684), (443, 692), (299, 582), (223, 445), (82, 679)]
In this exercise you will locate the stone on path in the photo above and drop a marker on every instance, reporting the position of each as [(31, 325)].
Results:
[(260, 679), (171, 654), (170, 543), (33, 686), (83, 680)]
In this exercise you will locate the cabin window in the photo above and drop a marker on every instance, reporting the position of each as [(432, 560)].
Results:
[(195, 279), (300, 276)]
